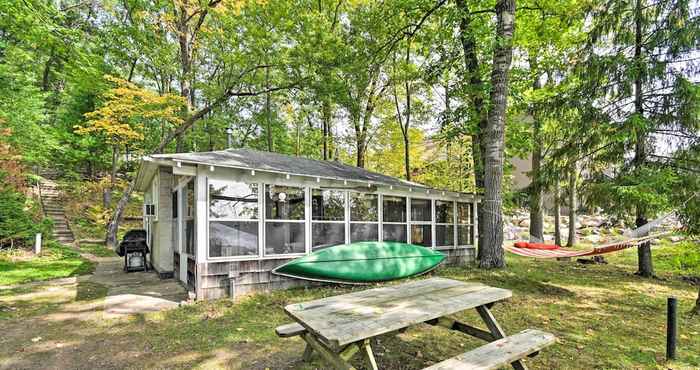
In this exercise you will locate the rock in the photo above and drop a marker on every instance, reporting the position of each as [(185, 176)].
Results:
[(524, 223), (676, 238), (592, 238)]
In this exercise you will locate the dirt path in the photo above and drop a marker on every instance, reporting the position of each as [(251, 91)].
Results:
[(95, 310)]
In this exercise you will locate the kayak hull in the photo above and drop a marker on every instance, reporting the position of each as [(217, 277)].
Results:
[(364, 262)]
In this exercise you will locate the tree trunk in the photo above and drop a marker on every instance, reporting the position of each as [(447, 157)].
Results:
[(471, 63), (326, 118), (571, 240), (113, 225), (107, 194), (536, 205), (268, 117), (494, 138), (644, 259), (361, 153), (185, 68), (696, 310), (557, 213)]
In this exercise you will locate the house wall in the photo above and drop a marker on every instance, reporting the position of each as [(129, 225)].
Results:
[(236, 276)]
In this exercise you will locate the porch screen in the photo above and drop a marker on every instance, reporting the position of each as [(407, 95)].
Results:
[(444, 224), (465, 226), (364, 221), (328, 218), (284, 220), (394, 219), (422, 222), (233, 215)]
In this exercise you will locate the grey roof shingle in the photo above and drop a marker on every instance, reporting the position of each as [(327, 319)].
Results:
[(275, 162)]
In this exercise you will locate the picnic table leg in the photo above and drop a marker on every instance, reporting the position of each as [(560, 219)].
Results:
[(367, 350), (308, 351), (496, 331), (339, 361)]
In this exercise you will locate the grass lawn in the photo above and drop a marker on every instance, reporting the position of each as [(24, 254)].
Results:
[(55, 261), (97, 250), (604, 317)]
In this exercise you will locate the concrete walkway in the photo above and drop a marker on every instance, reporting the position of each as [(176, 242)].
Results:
[(134, 292)]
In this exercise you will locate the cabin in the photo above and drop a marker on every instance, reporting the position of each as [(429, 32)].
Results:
[(221, 221)]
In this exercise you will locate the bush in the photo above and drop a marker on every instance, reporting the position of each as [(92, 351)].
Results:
[(18, 220)]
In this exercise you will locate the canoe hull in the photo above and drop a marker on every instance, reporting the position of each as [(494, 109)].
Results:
[(365, 262)]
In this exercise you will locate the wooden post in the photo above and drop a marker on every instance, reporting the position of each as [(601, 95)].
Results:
[(671, 328), (37, 243)]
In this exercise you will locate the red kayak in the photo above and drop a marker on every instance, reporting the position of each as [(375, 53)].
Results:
[(543, 246)]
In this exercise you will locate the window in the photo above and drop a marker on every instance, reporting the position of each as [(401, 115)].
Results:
[(328, 218), (284, 220), (233, 215), (364, 224), (465, 226), (394, 219), (444, 224), (421, 222)]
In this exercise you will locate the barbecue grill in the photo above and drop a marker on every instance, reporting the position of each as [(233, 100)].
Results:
[(134, 249)]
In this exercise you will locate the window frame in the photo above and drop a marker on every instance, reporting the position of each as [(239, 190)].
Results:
[(430, 223), (257, 220), (453, 224), (344, 221), (406, 224), (305, 221), (350, 222), (470, 224)]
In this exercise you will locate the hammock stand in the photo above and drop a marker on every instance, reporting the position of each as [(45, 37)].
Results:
[(603, 249)]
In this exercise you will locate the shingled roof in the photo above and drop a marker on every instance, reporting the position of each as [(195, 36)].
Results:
[(285, 164)]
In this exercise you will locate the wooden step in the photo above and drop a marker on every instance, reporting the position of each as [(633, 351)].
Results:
[(290, 330), (499, 353)]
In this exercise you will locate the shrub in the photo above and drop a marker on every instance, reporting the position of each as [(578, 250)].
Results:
[(18, 217)]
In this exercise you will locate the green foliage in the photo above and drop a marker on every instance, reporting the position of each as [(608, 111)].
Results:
[(18, 220)]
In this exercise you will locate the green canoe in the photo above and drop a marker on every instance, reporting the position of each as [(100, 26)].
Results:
[(363, 262)]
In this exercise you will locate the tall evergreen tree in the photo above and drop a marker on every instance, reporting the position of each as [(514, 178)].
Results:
[(636, 71)]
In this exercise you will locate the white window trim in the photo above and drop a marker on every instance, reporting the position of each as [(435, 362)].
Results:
[(470, 223), (453, 224), (209, 219), (304, 221), (313, 222), (350, 222), (422, 222), (405, 223)]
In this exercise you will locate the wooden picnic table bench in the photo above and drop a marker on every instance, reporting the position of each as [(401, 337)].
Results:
[(339, 327)]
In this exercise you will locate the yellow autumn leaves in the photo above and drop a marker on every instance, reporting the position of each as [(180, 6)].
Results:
[(126, 111)]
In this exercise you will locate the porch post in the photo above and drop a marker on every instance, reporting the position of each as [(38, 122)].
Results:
[(201, 224)]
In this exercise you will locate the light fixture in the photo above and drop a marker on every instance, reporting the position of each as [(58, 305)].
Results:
[(252, 172), (345, 182), (318, 179), (288, 176), (211, 168)]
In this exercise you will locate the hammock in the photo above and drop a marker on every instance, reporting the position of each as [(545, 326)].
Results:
[(603, 249), (637, 236)]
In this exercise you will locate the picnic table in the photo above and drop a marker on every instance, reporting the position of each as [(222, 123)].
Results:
[(342, 326)]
